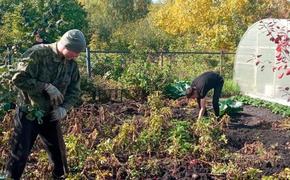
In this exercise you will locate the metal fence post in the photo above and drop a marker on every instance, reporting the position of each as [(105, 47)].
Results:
[(88, 61), (8, 57), (161, 58), (221, 61)]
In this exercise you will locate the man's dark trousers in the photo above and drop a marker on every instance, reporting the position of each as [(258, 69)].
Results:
[(24, 136)]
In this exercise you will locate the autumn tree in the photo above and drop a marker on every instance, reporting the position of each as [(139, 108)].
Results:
[(105, 17), (215, 24), (20, 18)]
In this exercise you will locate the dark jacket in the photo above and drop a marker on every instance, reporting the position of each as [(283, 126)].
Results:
[(42, 64), (205, 82)]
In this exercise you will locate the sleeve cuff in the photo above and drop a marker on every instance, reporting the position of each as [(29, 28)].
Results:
[(67, 107), (41, 86)]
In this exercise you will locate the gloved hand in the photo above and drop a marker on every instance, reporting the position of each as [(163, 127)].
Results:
[(56, 98), (58, 114)]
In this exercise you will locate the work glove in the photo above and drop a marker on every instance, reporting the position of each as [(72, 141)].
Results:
[(58, 113), (56, 98)]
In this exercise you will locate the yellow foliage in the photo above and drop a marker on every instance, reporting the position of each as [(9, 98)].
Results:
[(12, 26), (216, 22)]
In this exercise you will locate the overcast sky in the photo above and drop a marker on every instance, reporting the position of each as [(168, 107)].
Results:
[(155, 1)]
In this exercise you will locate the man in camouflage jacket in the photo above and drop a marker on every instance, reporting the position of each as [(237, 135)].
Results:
[(48, 78)]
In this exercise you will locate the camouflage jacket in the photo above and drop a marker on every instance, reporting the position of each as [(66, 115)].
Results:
[(42, 64)]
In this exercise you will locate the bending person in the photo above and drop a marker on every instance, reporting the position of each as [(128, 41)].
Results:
[(201, 86)]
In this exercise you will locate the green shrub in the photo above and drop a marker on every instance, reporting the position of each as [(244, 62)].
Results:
[(146, 76), (230, 88)]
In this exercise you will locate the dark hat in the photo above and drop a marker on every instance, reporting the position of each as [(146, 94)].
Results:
[(74, 40)]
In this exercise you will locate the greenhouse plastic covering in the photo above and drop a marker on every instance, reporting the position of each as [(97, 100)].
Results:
[(262, 68)]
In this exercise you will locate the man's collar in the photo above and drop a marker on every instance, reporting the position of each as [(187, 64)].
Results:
[(57, 56)]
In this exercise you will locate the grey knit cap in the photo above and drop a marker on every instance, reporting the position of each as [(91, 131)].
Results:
[(74, 40)]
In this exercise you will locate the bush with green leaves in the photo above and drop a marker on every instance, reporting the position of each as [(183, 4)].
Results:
[(176, 90), (141, 37), (109, 66), (188, 67), (181, 141), (210, 139), (274, 107), (19, 19), (7, 91), (146, 76), (230, 106), (230, 88)]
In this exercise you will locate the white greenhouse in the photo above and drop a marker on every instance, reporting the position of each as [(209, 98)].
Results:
[(262, 68)]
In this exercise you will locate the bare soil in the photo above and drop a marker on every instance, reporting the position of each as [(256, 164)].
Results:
[(246, 132), (258, 124)]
